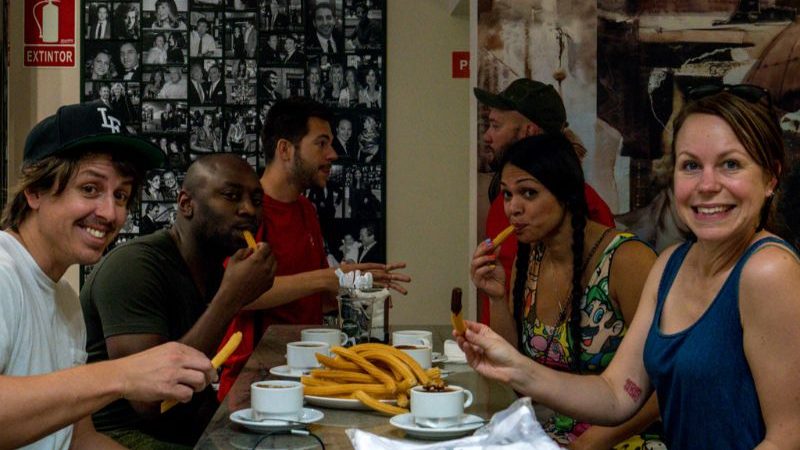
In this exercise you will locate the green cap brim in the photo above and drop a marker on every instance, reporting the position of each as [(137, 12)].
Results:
[(492, 100), (140, 151)]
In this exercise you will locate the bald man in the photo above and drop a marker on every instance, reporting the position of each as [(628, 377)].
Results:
[(171, 286)]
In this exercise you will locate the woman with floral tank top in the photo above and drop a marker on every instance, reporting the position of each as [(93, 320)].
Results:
[(575, 285)]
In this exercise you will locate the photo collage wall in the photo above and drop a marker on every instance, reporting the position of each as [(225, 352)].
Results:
[(199, 76)]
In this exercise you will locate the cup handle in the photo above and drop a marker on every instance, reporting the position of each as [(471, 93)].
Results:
[(468, 400), (425, 342), (342, 338)]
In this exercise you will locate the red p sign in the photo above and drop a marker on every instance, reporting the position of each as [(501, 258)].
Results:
[(460, 64)]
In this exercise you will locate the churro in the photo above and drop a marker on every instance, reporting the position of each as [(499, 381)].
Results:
[(248, 237), (369, 373), (377, 405), (223, 354), (456, 317), (502, 236)]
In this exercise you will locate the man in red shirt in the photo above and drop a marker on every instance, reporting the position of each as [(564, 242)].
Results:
[(297, 142), (525, 108)]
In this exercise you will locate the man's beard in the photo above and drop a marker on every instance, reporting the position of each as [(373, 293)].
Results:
[(497, 158), (303, 174)]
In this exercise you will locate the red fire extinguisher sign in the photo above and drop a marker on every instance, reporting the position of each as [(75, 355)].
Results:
[(49, 33)]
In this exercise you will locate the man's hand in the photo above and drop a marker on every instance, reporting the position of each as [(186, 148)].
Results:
[(249, 274), (170, 371), (382, 274)]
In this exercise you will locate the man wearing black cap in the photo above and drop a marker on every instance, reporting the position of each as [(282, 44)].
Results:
[(80, 170), (525, 108)]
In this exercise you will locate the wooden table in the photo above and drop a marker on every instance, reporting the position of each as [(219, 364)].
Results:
[(221, 433)]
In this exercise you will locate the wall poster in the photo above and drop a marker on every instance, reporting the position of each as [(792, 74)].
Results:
[(623, 69), (198, 77)]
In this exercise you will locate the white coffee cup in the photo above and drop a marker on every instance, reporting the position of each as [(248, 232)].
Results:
[(419, 353), (331, 336), (438, 409), (412, 337), (301, 355), (276, 399)]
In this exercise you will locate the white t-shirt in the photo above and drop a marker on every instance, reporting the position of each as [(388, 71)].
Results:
[(41, 324)]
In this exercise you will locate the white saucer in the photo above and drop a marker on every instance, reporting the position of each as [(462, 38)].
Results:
[(406, 423), (285, 372), (244, 417), (437, 357)]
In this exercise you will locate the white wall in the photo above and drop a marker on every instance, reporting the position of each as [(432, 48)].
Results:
[(428, 157), (34, 94), (427, 141)]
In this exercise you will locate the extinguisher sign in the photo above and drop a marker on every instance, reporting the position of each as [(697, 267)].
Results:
[(49, 33)]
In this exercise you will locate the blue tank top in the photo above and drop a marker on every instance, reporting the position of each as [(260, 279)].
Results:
[(705, 389)]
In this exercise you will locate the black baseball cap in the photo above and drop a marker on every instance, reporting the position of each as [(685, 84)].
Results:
[(535, 100), (88, 124)]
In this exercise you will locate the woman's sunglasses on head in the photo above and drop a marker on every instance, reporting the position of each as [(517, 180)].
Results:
[(747, 92)]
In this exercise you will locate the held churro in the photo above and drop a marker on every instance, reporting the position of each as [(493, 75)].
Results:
[(226, 351), (502, 236), (248, 237), (455, 310)]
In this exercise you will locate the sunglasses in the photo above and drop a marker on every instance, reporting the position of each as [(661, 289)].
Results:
[(748, 92)]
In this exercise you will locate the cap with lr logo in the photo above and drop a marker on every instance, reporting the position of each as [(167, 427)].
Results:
[(49, 33)]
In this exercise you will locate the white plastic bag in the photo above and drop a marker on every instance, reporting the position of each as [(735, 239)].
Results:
[(514, 428)]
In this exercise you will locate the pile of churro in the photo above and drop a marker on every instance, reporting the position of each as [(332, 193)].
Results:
[(370, 373)]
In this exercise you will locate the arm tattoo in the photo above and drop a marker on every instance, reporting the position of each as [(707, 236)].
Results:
[(633, 390)]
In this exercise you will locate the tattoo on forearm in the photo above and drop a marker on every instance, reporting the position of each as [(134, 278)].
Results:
[(633, 390)]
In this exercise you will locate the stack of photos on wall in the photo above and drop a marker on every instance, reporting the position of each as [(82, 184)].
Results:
[(199, 76)]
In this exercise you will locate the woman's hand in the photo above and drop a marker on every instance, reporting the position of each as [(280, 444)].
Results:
[(486, 271), (489, 353)]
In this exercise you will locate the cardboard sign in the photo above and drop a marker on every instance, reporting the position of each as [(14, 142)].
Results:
[(49, 33)]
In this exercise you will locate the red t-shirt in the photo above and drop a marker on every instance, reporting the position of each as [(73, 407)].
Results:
[(496, 221), (294, 235)]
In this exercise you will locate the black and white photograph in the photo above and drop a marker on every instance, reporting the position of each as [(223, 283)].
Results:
[(100, 62), (324, 35), (276, 83), (126, 99), (127, 22), (199, 76), (290, 49), (370, 92), (269, 49), (344, 136), (363, 29), (241, 35), (280, 15), (174, 147), (98, 20), (240, 5), (368, 139), (155, 48), (155, 216), (206, 134), (161, 116), (206, 4), (240, 81), (131, 225), (175, 84), (128, 61), (165, 14), (153, 79), (240, 133), (206, 35)]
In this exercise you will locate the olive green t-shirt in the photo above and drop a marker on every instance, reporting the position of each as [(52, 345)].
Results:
[(144, 287)]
